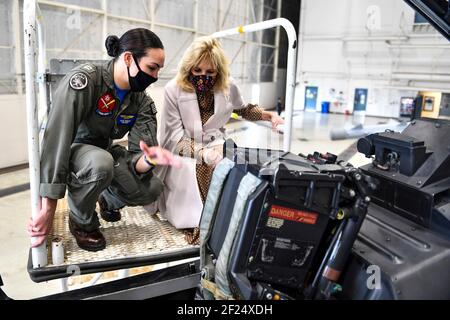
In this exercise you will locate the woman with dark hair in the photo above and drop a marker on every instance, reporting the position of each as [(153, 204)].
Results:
[(93, 105)]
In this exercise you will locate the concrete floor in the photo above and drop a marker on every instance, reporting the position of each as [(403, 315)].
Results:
[(310, 133)]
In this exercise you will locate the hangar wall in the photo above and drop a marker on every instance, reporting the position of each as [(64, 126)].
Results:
[(372, 44)]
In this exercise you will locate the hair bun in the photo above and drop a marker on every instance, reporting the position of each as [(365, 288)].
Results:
[(112, 45)]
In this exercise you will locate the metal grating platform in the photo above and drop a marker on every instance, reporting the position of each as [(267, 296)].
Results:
[(138, 239)]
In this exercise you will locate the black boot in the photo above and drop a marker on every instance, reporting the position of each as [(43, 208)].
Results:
[(90, 241), (107, 214)]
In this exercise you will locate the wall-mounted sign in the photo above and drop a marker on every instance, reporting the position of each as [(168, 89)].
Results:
[(360, 101), (428, 103), (311, 97)]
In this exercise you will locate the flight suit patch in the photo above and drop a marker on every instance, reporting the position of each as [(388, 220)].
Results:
[(153, 108), (126, 119), (89, 68), (106, 105), (78, 81)]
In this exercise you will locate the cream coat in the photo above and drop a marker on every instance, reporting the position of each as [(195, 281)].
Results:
[(180, 201)]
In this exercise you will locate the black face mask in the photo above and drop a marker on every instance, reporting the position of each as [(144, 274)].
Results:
[(141, 80)]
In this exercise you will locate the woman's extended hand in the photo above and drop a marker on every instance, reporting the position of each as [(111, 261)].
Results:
[(276, 120), (211, 156), (159, 156), (273, 118)]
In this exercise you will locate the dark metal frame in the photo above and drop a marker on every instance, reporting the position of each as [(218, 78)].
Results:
[(65, 271), (437, 12), (178, 282)]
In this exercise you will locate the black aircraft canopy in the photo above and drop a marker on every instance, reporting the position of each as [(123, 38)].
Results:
[(436, 12)]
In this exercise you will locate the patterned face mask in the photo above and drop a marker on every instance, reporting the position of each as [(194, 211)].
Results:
[(202, 83)]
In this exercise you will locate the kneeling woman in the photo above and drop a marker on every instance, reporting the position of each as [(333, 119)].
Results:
[(197, 105), (93, 105)]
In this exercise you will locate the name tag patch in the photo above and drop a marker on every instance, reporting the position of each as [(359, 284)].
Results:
[(126, 119)]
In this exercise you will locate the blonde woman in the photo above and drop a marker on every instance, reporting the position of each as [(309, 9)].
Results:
[(198, 102)]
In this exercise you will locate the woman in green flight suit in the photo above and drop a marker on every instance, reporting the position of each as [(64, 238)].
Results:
[(93, 105)]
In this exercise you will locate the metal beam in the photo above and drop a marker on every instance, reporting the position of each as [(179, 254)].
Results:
[(80, 35), (244, 50), (156, 6), (230, 3), (277, 43), (237, 52), (39, 254), (154, 289), (151, 14), (69, 6), (113, 16), (260, 34), (74, 50), (195, 18), (169, 63), (105, 25), (17, 46), (218, 14), (253, 12), (41, 69)]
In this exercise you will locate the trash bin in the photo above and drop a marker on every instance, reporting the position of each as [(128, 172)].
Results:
[(325, 106)]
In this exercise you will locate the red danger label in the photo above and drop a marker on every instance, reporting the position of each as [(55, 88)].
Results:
[(293, 215)]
